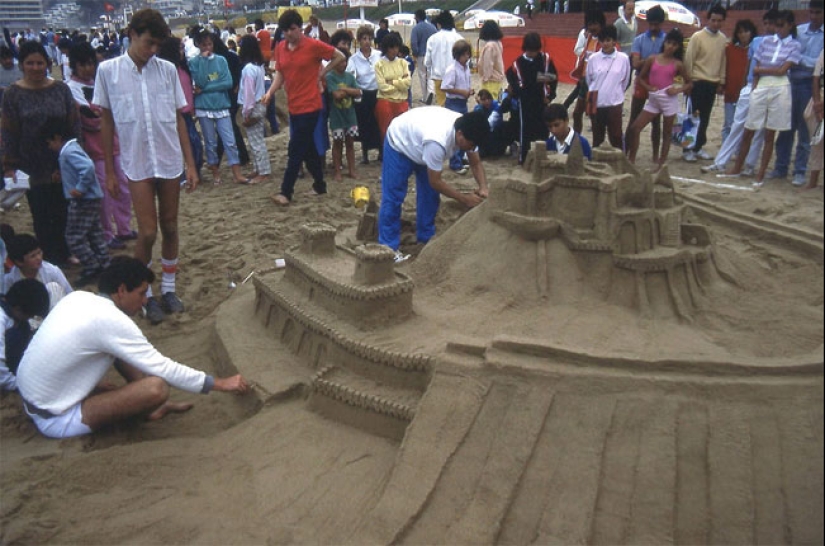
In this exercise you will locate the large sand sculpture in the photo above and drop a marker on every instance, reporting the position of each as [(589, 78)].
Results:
[(578, 360)]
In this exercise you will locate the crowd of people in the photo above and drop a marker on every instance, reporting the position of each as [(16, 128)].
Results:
[(135, 116)]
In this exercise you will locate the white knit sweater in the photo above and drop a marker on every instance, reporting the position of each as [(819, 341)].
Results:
[(76, 345)]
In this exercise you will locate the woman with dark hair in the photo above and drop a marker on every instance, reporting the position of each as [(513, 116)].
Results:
[(250, 93), (736, 69), (362, 66), (173, 50), (392, 73), (491, 58), (27, 105)]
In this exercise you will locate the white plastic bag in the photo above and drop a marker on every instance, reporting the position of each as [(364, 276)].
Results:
[(686, 128), (14, 190)]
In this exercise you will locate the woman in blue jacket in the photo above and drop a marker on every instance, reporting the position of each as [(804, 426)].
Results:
[(213, 81)]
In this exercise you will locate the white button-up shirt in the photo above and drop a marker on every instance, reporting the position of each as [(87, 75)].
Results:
[(144, 105), (440, 52)]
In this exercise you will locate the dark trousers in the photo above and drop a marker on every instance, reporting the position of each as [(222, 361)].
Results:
[(702, 98), (85, 236), (608, 120), (302, 150), (800, 96), (49, 210)]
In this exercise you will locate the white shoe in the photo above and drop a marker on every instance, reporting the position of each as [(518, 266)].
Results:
[(799, 180), (757, 185), (462, 171), (702, 154), (714, 168), (748, 171), (400, 257), (689, 156)]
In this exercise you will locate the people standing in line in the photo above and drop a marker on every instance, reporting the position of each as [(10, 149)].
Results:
[(491, 58), (173, 50), (299, 67), (731, 145), (532, 80), (627, 26), (142, 99), (646, 45), (362, 65), (657, 77), (343, 123), (608, 73), (439, 54), (419, 35), (814, 118), (770, 106), (587, 44), (27, 105), (83, 62), (392, 74), (213, 81), (810, 35), (705, 62), (250, 95), (736, 67)]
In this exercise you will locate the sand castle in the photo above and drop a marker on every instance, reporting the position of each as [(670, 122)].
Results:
[(517, 425)]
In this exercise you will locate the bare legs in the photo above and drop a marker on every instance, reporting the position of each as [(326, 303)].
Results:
[(744, 148), (337, 152), (148, 216)]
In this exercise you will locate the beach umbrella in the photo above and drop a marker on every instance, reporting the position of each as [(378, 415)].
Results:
[(674, 12)]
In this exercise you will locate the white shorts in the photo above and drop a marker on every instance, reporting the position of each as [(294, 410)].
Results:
[(66, 425), (662, 103), (770, 109)]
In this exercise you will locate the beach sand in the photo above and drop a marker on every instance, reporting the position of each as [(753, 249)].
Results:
[(248, 470)]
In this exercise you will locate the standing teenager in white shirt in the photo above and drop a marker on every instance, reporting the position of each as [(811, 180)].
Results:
[(142, 98)]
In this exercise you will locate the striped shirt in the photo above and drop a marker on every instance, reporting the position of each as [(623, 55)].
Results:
[(773, 52)]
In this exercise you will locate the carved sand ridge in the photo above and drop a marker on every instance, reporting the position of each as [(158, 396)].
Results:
[(603, 376)]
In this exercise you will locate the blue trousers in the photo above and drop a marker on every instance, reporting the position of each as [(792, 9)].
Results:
[(302, 150), (800, 95), (460, 106), (395, 171), (271, 117), (211, 128)]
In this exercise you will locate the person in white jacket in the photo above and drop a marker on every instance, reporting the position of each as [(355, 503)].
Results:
[(60, 377), (439, 54)]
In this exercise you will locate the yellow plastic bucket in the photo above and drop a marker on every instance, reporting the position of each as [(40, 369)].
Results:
[(360, 196)]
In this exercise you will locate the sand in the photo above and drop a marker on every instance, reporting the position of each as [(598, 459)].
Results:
[(509, 450)]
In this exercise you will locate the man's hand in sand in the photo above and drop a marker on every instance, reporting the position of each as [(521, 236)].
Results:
[(236, 384)]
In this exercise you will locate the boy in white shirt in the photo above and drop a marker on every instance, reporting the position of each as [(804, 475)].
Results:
[(25, 253)]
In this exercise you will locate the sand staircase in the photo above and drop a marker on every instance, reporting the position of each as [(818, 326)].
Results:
[(582, 455)]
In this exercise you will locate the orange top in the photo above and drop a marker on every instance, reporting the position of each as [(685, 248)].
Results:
[(736, 71), (265, 43)]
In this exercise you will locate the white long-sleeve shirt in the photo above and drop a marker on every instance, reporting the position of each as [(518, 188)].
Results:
[(440, 52), (78, 343)]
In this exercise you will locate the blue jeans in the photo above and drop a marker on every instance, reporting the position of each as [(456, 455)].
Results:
[(302, 150), (211, 128), (730, 109), (800, 95), (460, 106), (270, 110), (194, 143), (395, 171)]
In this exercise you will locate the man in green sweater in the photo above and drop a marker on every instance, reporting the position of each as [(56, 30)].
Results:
[(705, 62)]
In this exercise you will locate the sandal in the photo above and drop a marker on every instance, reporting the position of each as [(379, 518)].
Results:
[(280, 200)]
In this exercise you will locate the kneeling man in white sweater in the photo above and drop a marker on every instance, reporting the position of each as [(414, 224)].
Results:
[(60, 374)]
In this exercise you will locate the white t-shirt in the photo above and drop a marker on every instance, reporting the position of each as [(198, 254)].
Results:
[(425, 135), (49, 273), (7, 380)]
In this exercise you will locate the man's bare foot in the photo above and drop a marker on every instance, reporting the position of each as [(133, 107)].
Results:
[(169, 407)]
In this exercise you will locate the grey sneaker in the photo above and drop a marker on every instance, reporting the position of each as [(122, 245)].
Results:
[(799, 180), (153, 312), (689, 156), (702, 154), (171, 303), (400, 257), (713, 168)]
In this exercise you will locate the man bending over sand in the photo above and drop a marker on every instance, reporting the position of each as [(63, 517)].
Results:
[(60, 374)]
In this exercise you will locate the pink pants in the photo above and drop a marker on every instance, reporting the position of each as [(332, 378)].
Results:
[(120, 208)]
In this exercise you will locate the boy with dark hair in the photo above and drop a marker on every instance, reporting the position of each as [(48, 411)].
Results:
[(25, 253), (645, 45), (141, 96), (82, 338), (496, 142), (25, 300), (608, 73), (84, 234), (419, 141), (705, 62), (561, 134)]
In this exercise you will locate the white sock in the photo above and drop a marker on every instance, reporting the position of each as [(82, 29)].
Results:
[(149, 290), (167, 279)]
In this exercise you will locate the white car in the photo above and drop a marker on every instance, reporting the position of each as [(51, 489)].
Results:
[(354, 24), (503, 19), (401, 20), (432, 12)]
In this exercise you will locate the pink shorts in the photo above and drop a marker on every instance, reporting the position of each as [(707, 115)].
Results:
[(662, 103)]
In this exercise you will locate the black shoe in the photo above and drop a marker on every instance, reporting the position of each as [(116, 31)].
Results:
[(153, 312), (429, 99), (171, 303)]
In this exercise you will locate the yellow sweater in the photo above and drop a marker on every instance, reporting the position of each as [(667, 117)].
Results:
[(397, 71), (705, 56)]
